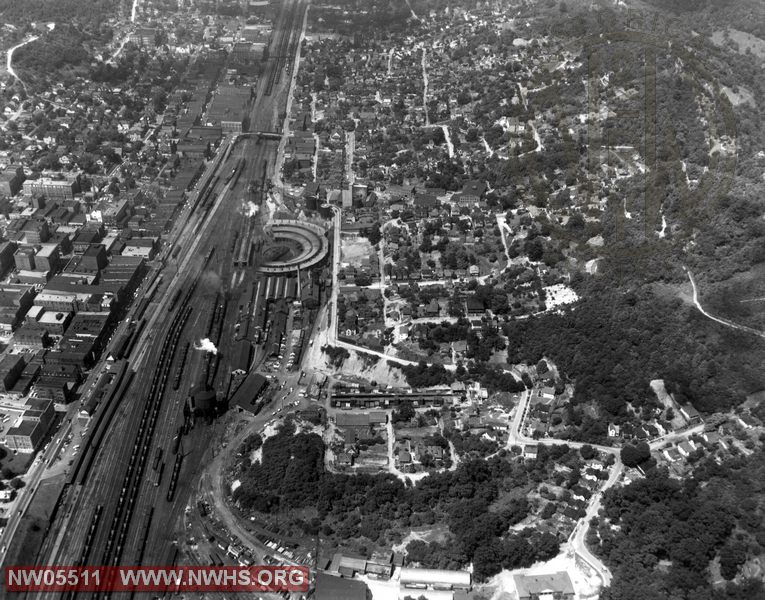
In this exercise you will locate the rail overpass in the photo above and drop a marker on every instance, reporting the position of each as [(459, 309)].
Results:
[(266, 135)]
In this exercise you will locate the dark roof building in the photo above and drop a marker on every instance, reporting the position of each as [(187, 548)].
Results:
[(246, 394), (337, 588), (361, 419)]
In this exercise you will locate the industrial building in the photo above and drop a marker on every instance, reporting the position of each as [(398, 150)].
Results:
[(28, 432), (228, 107), (248, 393), (94, 259), (53, 189), (329, 587), (354, 398), (15, 301), (47, 258), (83, 341), (25, 258), (144, 248), (11, 181), (7, 250), (436, 579)]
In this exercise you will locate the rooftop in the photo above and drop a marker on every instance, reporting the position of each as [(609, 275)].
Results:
[(329, 587), (533, 585)]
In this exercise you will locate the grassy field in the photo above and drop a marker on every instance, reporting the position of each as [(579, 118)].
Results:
[(746, 42)]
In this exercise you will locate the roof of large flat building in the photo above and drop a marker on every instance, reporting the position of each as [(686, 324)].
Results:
[(528, 585), (434, 576), (329, 587)]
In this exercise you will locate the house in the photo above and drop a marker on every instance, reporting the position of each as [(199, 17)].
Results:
[(685, 448), (436, 452), (474, 306), (457, 387), (690, 413), (343, 459), (536, 587), (547, 393), (424, 203), (530, 451), (711, 438), (747, 421), (351, 325), (515, 126)]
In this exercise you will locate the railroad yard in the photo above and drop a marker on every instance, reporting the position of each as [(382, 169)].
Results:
[(194, 320)]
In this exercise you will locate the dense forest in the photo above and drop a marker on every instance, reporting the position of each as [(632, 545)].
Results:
[(492, 377), (478, 501), (92, 12), (662, 537), (352, 17), (617, 340), (59, 49)]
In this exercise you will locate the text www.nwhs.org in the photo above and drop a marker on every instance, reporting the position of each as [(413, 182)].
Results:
[(157, 579)]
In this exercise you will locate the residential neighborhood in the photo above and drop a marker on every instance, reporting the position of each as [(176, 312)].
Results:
[(408, 300)]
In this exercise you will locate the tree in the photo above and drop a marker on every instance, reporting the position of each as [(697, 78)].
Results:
[(588, 452), (534, 249), (17, 483), (732, 556), (548, 511), (374, 235), (404, 413), (633, 456)]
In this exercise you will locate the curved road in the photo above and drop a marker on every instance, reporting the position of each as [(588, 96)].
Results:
[(576, 541), (9, 58), (720, 320)]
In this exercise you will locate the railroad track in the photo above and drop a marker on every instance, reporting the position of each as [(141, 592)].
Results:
[(108, 533), (282, 48), (133, 478)]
